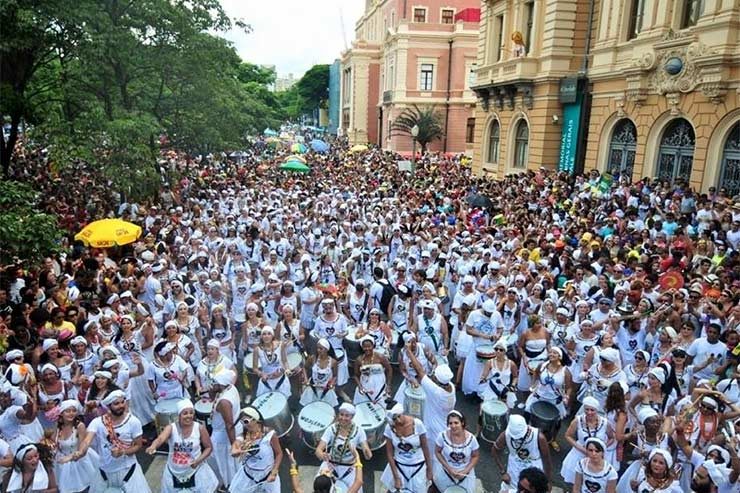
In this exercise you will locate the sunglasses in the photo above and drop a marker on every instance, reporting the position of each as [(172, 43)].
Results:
[(679, 355), (499, 350)]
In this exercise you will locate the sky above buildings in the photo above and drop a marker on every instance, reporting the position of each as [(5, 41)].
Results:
[(293, 35)]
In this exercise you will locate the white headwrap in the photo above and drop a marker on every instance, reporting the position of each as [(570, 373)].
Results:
[(70, 404), (113, 397), (666, 456), (184, 405)]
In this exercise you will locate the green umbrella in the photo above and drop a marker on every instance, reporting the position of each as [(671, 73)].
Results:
[(295, 166)]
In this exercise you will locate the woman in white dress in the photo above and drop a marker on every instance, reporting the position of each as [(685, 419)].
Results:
[(259, 454), (75, 472), (407, 452), (188, 325), (532, 347), (647, 440), (130, 342), (586, 425), (339, 445), (593, 474), (288, 330), (322, 369), (552, 382), (373, 374), (270, 365), (220, 330), (657, 474), (410, 377), (213, 363), (457, 455), (189, 448), (499, 377), (29, 474)]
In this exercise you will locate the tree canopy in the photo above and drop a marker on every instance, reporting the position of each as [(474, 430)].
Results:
[(103, 81)]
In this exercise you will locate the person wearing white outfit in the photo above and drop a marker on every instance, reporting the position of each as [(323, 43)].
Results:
[(12, 416), (74, 471), (526, 447), (189, 448), (338, 448), (271, 365), (586, 425), (259, 454), (118, 437), (322, 369), (27, 464), (593, 474), (373, 374), (410, 377), (457, 454), (225, 424), (485, 326), (440, 399), (407, 452)]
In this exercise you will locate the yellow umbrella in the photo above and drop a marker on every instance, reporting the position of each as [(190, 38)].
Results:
[(358, 148), (108, 233)]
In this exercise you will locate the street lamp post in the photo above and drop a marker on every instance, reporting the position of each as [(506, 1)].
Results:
[(414, 135)]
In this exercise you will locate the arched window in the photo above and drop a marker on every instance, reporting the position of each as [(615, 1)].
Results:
[(521, 144), (730, 171), (622, 148), (493, 139), (676, 154)]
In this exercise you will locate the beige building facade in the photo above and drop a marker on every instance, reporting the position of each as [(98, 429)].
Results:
[(659, 90), (410, 53)]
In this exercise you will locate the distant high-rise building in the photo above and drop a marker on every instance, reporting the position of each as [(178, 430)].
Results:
[(284, 83)]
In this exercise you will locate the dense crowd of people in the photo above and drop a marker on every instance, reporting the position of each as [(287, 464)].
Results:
[(362, 303)]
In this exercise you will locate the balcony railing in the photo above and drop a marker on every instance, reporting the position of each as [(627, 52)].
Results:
[(509, 70)]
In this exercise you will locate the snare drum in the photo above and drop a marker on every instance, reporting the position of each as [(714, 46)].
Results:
[(203, 410), (351, 344), (485, 352), (166, 413), (295, 361), (413, 401), (371, 418), (274, 409), (313, 420), (495, 415), (545, 416), (455, 489)]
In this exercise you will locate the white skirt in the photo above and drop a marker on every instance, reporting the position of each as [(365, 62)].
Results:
[(272, 386), (463, 344), (136, 483), (223, 463), (205, 480), (311, 394), (142, 403), (471, 373), (416, 482), (75, 476), (443, 481), (342, 372), (568, 471), (242, 483)]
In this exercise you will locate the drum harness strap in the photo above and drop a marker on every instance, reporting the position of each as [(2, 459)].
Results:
[(324, 391), (418, 466), (252, 477), (293, 338), (549, 380), (430, 332), (128, 475), (343, 451)]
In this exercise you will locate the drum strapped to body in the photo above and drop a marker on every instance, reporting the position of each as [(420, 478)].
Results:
[(494, 417), (371, 418), (545, 416), (273, 406), (413, 401), (313, 420), (166, 413)]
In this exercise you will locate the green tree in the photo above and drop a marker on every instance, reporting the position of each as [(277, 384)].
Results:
[(249, 72), (429, 121), (313, 87), (26, 232)]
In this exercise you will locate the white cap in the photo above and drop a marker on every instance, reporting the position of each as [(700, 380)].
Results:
[(517, 427), (443, 374)]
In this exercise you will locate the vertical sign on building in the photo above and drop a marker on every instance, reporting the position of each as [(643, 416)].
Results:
[(572, 101)]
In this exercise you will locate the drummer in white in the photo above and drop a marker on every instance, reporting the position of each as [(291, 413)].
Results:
[(410, 377), (440, 398), (118, 436), (259, 452), (485, 325), (339, 444), (526, 446), (457, 455), (189, 447)]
